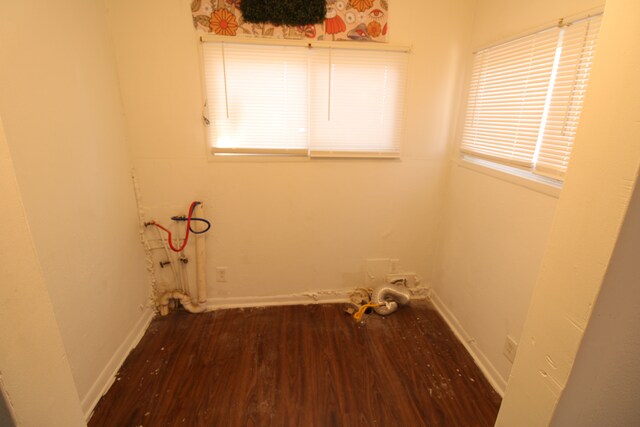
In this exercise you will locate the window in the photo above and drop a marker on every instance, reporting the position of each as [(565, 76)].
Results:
[(293, 99), (526, 96)]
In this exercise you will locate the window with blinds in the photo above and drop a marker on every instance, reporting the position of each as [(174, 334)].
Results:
[(299, 100), (526, 96)]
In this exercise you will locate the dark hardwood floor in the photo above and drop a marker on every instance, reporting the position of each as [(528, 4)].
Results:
[(299, 366)]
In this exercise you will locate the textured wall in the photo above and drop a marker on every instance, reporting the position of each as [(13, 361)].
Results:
[(590, 212), (284, 227), (496, 228), (64, 125), (33, 362), (604, 385)]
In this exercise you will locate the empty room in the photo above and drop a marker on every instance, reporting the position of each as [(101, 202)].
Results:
[(319, 213)]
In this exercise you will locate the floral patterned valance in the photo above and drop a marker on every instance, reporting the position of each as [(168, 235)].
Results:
[(363, 20)]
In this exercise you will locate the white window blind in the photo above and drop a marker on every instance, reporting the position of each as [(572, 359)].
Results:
[(526, 96), (357, 102), (257, 99), (292, 99)]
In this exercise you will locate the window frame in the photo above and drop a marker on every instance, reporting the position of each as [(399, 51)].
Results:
[(289, 154), (503, 169)]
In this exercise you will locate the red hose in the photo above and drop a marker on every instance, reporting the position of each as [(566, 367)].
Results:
[(186, 235)]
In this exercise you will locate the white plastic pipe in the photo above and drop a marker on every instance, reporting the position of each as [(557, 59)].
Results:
[(177, 278), (201, 280), (389, 297), (185, 300)]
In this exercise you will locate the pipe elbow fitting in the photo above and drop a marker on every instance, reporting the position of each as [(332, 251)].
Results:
[(389, 298), (184, 299), (188, 305)]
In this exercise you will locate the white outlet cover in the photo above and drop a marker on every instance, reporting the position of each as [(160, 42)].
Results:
[(510, 348), (221, 274)]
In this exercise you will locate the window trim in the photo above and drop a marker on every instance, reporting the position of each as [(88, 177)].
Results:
[(523, 178), (292, 154), (303, 43), (508, 172)]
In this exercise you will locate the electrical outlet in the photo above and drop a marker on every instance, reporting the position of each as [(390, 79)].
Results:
[(510, 348), (221, 274)]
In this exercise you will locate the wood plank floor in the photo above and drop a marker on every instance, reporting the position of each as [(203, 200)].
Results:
[(299, 366)]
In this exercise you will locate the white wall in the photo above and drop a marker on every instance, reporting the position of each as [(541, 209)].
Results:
[(34, 373), (64, 127), (604, 385), (495, 230), (285, 227), (602, 173), (497, 20)]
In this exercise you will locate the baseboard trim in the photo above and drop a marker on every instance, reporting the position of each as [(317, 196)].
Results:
[(335, 296), (311, 297), (108, 374), (490, 372)]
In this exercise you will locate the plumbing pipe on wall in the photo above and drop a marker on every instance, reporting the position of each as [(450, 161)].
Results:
[(184, 299), (181, 277), (201, 280)]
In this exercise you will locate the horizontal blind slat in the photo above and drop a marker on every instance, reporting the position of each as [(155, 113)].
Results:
[(578, 49), (266, 105), (525, 97), (360, 94), (258, 98), (507, 98)]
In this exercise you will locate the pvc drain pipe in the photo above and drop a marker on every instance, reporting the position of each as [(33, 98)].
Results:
[(184, 299), (389, 297), (201, 279)]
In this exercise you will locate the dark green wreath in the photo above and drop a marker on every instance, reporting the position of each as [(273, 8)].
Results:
[(284, 12)]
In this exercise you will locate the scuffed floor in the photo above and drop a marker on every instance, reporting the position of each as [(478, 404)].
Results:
[(299, 366)]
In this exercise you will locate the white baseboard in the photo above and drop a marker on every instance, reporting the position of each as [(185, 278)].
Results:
[(311, 297), (490, 372), (108, 374)]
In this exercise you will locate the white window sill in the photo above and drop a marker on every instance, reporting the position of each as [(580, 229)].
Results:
[(297, 155), (522, 178), (256, 158)]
